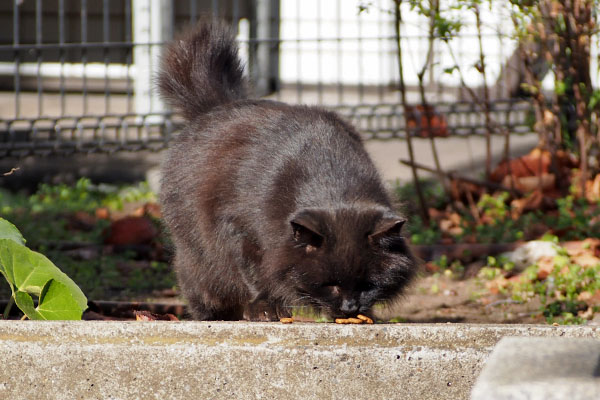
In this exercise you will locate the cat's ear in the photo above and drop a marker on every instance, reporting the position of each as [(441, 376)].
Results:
[(305, 226), (387, 229)]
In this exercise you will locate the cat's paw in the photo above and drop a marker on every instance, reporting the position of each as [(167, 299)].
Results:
[(264, 311)]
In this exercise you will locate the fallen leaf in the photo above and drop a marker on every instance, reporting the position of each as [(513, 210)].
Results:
[(130, 230), (102, 213), (445, 225), (584, 296), (587, 314), (148, 316), (426, 121), (592, 189), (536, 200), (496, 285), (586, 260), (545, 267)]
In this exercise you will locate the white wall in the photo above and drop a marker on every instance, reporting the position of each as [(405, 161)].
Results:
[(372, 59)]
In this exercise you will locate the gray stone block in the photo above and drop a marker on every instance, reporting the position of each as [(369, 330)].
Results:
[(541, 368), (241, 360)]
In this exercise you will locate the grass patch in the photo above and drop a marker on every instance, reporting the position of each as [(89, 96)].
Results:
[(48, 220)]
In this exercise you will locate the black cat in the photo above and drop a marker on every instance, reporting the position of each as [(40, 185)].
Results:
[(270, 205)]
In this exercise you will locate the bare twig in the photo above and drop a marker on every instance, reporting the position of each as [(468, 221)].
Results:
[(434, 9), (486, 95), (421, 198), (12, 171), (453, 175)]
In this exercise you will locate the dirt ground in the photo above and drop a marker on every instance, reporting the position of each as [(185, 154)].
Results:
[(444, 299), (439, 299)]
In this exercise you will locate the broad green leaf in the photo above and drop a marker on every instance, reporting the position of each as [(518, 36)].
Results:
[(25, 303), (57, 302), (29, 271), (9, 231)]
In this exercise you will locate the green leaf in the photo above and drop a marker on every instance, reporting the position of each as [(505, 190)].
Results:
[(57, 302), (9, 231), (560, 87), (29, 271), (450, 70), (25, 303), (594, 99)]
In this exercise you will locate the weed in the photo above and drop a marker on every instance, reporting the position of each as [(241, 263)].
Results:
[(44, 219), (568, 290)]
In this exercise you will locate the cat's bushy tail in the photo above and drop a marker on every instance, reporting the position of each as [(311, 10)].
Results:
[(201, 70)]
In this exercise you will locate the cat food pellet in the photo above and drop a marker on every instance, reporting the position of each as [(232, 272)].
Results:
[(348, 321), (286, 320), (365, 318)]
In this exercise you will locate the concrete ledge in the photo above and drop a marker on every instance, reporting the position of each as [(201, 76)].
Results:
[(237, 360), (547, 368)]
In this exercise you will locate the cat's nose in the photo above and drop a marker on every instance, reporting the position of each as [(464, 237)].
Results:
[(349, 306)]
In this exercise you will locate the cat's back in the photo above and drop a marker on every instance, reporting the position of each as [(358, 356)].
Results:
[(266, 133), (258, 155)]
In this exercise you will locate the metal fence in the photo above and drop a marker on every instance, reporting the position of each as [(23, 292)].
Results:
[(76, 75)]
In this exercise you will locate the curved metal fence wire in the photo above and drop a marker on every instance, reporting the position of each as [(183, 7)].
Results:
[(77, 75)]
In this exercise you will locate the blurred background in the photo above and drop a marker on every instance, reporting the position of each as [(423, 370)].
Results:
[(482, 116), (76, 76)]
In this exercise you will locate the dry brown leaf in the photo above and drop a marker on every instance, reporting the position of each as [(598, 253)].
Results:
[(586, 260), (587, 314), (584, 252), (102, 213), (148, 316), (531, 202), (593, 189), (584, 296), (455, 218), (535, 163), (595, 299), (545, 267), (456, 231), (445, 225), (531, 183), (496, 285), (424, 116), (130, 230)]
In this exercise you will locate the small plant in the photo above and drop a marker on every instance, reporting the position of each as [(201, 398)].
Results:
[(576, 218), (65, 223), (30, 273), (422, 234), (432, 189), (569, 292), (495, 207), (86, 196)]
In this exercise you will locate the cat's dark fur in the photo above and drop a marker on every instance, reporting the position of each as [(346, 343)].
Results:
[(270, 205)]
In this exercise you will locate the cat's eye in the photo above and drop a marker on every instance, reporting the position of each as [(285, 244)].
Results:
[(332, 288)]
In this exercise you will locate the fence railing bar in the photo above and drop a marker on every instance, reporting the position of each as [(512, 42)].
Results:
[(129, 54), (17, 58), (106, 38), (61, 54), (83, 19), (38, 54)]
